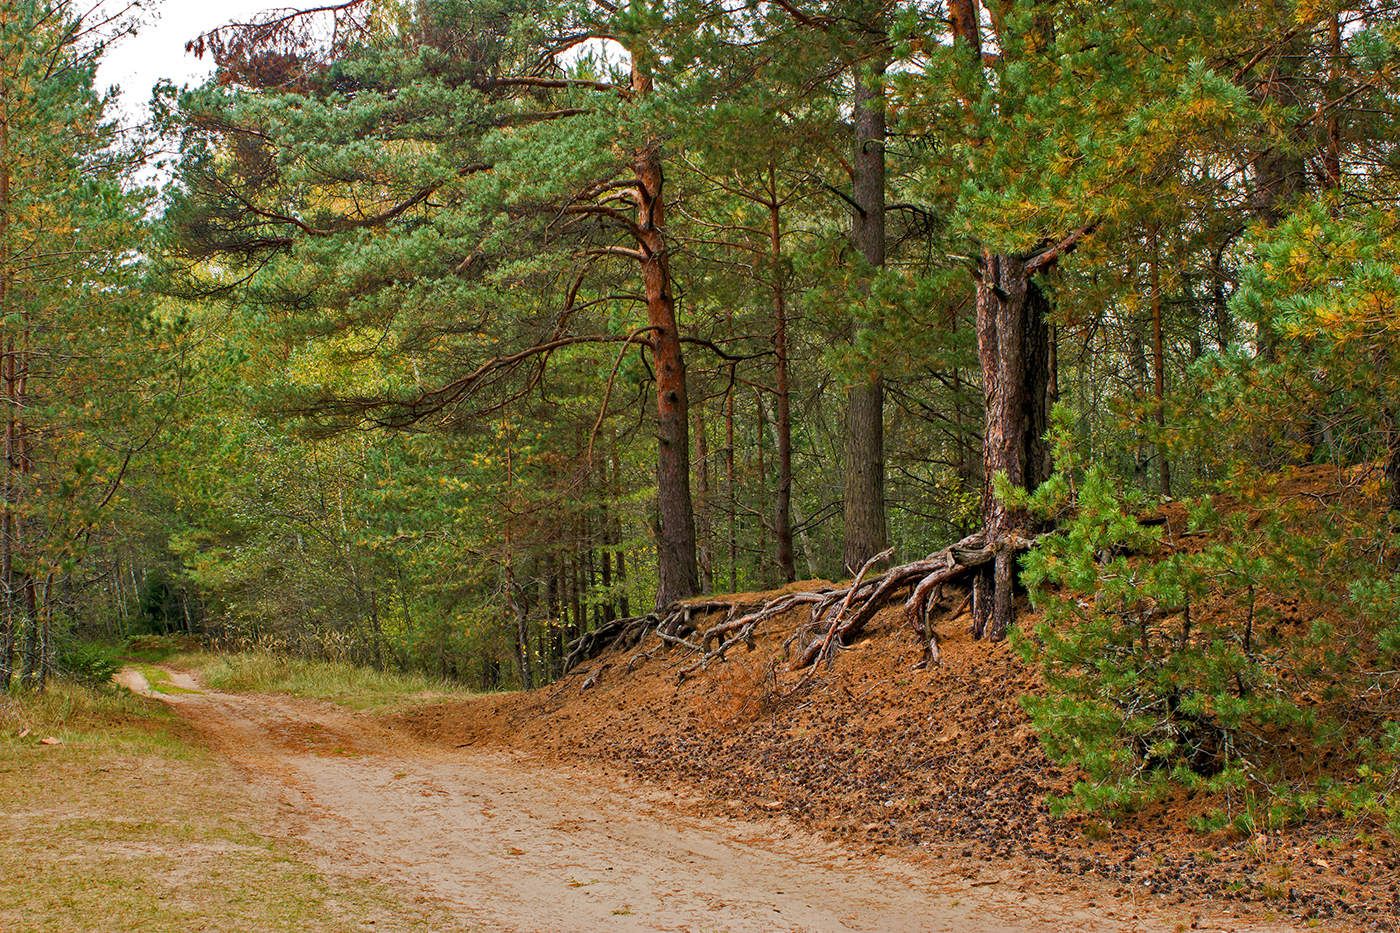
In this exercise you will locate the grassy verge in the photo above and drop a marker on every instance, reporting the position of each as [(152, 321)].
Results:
[(126, 825), (155, 648), (158, 680), (345, 684)]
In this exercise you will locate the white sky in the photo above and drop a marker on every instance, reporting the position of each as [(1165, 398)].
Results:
[(158, 49)]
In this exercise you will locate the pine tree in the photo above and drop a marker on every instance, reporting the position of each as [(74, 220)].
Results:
[(528, 177), (77, 374)]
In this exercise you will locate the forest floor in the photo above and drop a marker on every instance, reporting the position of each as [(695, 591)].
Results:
[(115, 818), (509, 838), (941, 764)]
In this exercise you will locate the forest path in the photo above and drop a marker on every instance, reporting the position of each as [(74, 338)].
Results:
[(519, 845)]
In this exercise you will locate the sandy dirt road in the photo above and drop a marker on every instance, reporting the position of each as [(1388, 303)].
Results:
[(519, 846)]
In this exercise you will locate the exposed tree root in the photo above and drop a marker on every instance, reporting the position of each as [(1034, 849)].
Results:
[(838, 614)]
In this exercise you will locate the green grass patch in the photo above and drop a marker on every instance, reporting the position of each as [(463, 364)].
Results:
[(347, 685), (107, 719), (158, 680), (129, 826)]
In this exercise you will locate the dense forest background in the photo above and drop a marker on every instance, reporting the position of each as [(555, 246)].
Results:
[(454, 329)]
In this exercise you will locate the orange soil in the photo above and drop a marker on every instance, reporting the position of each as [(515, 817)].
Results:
[(875, 753)]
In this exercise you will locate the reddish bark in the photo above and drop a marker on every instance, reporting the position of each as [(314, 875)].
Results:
[(1013, 346), (677, 574)]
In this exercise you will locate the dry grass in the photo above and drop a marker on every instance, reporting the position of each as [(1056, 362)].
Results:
[(344, 684), (127, 825)]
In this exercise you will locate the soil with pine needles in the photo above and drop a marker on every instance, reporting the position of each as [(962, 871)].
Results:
[(871, 751)]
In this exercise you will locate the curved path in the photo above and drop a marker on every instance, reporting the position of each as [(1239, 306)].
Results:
[(520, 846)]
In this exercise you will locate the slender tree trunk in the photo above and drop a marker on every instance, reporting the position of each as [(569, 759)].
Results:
[(523, 664), (43, 614), (762, 475), (704, 503), (403, 596), (513, 606), (609, 605), (577, 593), (677, 575), (731, 489), (782, 498), (551, 590), (865, 523), (624, 601), (376, 628), (23, 466), (800, 533)]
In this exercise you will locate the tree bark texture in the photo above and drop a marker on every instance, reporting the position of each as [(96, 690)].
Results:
[(1013, 346), (865, 523), (782, 499), (703, 503), (677, 573)]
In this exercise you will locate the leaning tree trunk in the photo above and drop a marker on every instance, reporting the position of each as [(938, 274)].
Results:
[(677, 572), (1013, 345), (865, 524)]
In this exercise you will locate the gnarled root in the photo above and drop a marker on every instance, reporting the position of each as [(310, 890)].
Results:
[(837, 614)]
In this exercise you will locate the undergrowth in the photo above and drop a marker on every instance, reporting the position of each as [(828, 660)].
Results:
[(1247, 652), (105, 718), (346, 684)]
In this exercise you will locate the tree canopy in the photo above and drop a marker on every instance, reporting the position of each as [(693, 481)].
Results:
[(466, 331)]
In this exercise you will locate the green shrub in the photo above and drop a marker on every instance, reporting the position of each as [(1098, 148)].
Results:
[(1168, 662), (88, 663)]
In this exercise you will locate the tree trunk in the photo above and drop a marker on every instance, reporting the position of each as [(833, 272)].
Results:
[(1280, 172), (797, 522), (762, 475), (703, 503), (623, 601), (403, 596), (782, 497), (522, 633), (677, 575), (865, 524), (1013, 346), (731, 494)]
